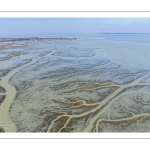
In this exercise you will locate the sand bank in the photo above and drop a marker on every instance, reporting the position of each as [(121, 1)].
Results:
[(5, 43)]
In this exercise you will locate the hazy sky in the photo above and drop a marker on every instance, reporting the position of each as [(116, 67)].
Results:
[(20, 26)]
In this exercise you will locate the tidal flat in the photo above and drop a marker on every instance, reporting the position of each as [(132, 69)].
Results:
[(74, 85)]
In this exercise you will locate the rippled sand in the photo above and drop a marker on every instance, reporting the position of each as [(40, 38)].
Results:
[(77, 85)]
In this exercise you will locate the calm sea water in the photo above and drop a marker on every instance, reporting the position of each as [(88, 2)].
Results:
[(110, 36)]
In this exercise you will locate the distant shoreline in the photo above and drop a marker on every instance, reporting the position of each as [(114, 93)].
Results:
[(34, 38)]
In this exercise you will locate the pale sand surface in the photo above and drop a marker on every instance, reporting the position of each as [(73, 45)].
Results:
[(5, 43)]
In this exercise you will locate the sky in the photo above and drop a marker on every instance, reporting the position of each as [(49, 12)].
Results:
[(35, 26)]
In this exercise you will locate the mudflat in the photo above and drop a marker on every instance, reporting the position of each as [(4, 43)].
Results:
[(74, 85)]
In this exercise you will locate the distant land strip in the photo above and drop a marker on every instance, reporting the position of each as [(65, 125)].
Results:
[(35, 38)]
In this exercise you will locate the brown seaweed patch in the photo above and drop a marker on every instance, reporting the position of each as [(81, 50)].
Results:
[(50, 117), (2, 90), (139, 111), (98, 110), (129, 120), (11, 55), (103, 97), (78, 104), (67, 103), (63, 104), (64, 130), (76, 120), (5, 71), (65, 85), (135, 119), (147, 117), (72, 99), (89, 89), (60, 123), (80, 110), (1, 130), (2, 97)]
